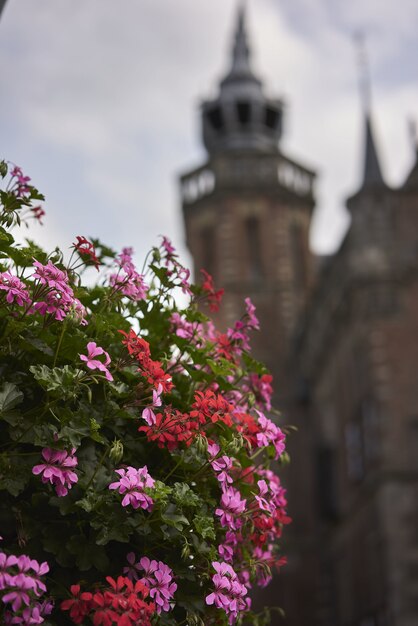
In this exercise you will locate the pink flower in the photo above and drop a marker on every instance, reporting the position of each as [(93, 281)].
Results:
[(132, 484), (15, 289), (58, 469), (20, 185), (229, 592), (6, 562), (148, 414), (159, 580), (168, 246), (51, 275), (132, 569), (252, 322), (232, 506), (56, 298), (270, 433), (93, 350), (127, 280), (221, 466)]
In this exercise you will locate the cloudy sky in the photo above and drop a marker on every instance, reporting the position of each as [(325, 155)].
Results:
[(99, 102)]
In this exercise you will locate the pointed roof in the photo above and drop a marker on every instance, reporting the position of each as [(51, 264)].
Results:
[(372, 173), (240, 66)]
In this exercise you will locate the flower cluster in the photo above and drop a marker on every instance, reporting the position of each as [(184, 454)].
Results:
[(178, 397), (122, 603), (269, 433), (53, 294), (152, 370), (127, 280), (21, 588), (132, 485), (58, 469), (229, 594), (179, 275), (158, 577), (19, 182)]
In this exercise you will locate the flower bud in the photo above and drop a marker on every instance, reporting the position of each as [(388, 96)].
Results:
[(116, 451), (201, 444)]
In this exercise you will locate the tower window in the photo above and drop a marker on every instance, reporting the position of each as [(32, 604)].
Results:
[(271, 117), (215, 118), (243, 112), (252, 227)]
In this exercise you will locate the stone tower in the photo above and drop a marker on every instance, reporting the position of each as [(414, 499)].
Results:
[(247, 209)]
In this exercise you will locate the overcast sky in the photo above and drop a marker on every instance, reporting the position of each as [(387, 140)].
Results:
[(99, 102)]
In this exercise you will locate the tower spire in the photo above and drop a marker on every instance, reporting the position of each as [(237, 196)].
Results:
[(241, 51), (240, 62), (372, 173)]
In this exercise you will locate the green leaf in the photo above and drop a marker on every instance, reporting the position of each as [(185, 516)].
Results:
[(62, 380), (87, 554), (184, 496), (172, 518), (10, 396), (204, 526)]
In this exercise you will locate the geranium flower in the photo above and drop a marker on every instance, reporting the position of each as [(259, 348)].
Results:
[(132, 484), (93, 351), (58, 469), (15, 289)]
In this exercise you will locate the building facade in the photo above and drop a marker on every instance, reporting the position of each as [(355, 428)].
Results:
[(340, 342)]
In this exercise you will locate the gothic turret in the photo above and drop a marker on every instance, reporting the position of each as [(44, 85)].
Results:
[(241, 117)]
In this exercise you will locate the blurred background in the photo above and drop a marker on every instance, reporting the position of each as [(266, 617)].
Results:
[(100, 101), (302, 193)]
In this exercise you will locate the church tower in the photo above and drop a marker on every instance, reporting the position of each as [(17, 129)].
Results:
[(247, 209)]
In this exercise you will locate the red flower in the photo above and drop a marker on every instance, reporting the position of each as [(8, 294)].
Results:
[(151, 370), (79, 605), (137, 347), (87, 251), (214, 297), (212, 407)]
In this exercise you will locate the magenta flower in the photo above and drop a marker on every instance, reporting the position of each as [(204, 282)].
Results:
[(15, 289), (148, 414), (6, 562), (167, 246), (20, 184), (132, 484), (252, 321), (127, 280), (229, 592), (132, 569), (159, 580), (51, 275), (93, 351), (270, 434), (221, 466), (20, 579), (58, 469), (231, 509)]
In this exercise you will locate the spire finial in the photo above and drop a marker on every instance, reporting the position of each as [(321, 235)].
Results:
[(372, 174), (241, 52)]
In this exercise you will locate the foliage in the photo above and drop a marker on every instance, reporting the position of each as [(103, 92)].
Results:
[(134, 450)]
